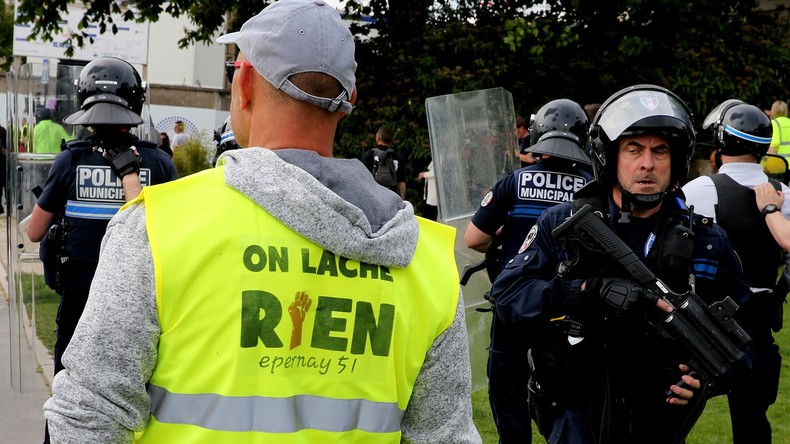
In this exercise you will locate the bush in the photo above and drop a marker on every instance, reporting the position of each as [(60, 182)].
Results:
[(195, 155)]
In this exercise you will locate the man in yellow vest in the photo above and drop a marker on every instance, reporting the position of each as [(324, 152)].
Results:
[(48, 135), (780, 142), (323, 310)]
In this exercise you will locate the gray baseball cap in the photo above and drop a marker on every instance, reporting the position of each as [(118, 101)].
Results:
[(295, 36)]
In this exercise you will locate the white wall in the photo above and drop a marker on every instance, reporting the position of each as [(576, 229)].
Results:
[(197, 65)]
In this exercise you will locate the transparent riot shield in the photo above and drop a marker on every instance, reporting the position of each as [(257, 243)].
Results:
[(44, 90), (473, 145)]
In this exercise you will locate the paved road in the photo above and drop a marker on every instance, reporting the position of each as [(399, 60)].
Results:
[(21, 416)]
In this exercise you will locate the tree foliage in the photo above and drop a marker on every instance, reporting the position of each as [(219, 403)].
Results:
[(6, 36), (706, 51)]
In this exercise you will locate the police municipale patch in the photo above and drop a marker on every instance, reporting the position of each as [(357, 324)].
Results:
[(487, 199), (533, 233)]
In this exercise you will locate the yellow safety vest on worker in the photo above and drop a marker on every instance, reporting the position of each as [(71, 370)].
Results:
[(267, 337), (780, 142), (781, 135)]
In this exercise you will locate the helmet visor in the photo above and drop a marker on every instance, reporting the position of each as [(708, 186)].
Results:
[(715, 115), (637, 105)]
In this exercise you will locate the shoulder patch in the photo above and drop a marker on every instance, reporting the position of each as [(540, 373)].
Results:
[(487, 199), (533, 233)]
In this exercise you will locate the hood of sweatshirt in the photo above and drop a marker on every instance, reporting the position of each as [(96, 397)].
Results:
[(333, 202)]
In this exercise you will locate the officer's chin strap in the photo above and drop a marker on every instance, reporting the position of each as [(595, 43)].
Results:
[(629, 201)]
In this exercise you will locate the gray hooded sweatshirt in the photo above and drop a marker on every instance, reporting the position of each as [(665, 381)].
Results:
[(101, 395)]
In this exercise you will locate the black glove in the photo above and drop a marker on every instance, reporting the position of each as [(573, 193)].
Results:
[(123, 160), (620, 294)]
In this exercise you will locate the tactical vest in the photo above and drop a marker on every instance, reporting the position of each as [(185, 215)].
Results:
[(538, 187), (747, 230), (267, 337), (96, 194)]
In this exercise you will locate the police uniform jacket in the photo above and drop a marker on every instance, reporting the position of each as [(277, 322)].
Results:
[(82, 187), (518, 199), (620, 348)]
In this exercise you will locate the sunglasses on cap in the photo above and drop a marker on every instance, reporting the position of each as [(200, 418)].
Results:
[(230, 68)]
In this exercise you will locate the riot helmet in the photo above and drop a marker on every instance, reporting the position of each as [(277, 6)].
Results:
[(739, 128), (636, 110), (110, 92), (225, 139), (560, 129)]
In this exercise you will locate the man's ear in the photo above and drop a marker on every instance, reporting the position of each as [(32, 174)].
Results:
[(245, 79)]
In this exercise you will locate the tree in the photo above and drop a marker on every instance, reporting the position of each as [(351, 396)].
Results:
[(6, 36), (706, 51), (208, 17)]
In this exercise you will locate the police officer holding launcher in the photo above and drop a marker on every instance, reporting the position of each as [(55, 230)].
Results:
[(557, 136), (602, 373), (742, 134), (89, 181)]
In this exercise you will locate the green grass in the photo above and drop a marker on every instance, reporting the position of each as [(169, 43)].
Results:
[(47, 302), (712, 428), (714, 425)]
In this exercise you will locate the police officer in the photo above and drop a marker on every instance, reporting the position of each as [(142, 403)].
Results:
[(742, 134), (89, 181), (225, 139), (601, 372), (557, 136)]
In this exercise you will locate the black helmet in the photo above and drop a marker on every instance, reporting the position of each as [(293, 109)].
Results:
[(739, 128), (642, 109), (225, 139), (110, 92), (560, 129)]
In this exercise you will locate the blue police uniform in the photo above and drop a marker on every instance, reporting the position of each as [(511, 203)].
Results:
[(83, 190), (609, 373), (515, 203)]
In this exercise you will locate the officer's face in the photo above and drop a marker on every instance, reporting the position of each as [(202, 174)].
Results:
[(643, 164)]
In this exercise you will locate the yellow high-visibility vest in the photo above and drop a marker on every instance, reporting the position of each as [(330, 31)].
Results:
[(267, 337)]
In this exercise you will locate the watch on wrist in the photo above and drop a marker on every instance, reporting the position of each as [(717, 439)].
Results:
[(768, 209)]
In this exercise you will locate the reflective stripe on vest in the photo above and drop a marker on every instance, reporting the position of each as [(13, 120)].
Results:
[(92, 210), (283, 415), (263, 330)]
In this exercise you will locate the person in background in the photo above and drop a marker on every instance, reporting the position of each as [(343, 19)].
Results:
[(780, 123), (48, 136), (742, 134), (714, 161), (522, 133), (164, 144), (557, 136), (88, 182), (429, 194), (330, 313), (385, 163), (181, 137), (592, 109), (601, 373)]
